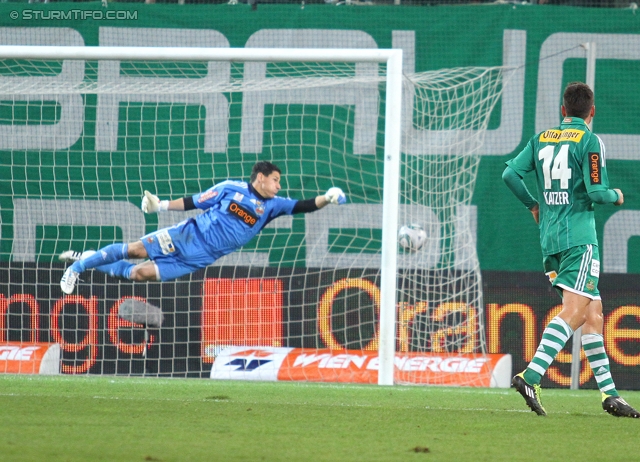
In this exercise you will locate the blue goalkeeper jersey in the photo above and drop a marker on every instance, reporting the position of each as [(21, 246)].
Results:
[(234, 214)]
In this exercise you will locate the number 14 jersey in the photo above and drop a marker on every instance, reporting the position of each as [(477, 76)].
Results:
[(569, 161)]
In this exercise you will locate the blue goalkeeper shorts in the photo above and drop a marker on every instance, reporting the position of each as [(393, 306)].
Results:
[(179, 250)]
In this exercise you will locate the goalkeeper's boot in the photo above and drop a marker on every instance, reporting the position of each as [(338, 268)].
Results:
[(69, 279), (71, 256), (530, 393), (618, 407)]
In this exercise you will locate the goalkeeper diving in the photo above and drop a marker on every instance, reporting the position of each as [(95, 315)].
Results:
[(234, 213)]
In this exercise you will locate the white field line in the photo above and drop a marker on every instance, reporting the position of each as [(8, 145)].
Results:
[(205, 400)]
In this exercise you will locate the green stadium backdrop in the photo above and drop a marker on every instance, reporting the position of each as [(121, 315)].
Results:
[(542, 42)]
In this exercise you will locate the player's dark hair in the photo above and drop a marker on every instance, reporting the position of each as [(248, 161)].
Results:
[(264, 167), (578, 100)]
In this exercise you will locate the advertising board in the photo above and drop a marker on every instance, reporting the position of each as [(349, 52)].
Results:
[(248, 308)]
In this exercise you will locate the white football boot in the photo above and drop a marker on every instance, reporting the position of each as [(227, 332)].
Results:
[(69, 279), (71, 256)]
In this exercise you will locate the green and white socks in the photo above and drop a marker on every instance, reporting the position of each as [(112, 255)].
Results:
[(554, 338), (593, 345)]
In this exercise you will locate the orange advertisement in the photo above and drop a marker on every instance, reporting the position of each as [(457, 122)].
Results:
[(361, 366), (30, 358), (240, 312)]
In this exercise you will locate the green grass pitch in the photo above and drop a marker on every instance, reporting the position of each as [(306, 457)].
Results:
[(68, 418)]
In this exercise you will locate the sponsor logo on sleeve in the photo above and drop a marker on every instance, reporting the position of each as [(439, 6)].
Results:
[(207, 195), (595, 173), (243, 214)]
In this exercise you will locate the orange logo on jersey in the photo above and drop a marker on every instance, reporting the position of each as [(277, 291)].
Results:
[(242, 213), (594, 168)]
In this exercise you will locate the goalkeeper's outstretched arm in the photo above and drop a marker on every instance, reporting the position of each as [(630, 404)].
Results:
[(332, 196), (152, 204)]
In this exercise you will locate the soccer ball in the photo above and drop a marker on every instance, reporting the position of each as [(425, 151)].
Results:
[(412, 237)]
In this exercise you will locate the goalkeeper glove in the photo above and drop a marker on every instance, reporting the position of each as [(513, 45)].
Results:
[(335, 196), (152, 203)]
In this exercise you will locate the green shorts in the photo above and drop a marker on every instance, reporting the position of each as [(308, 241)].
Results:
[(576, 269)]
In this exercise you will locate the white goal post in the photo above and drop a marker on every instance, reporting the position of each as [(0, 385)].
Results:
[(462, 98)]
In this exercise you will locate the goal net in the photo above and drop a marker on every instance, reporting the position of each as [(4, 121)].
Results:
[(83, 138)]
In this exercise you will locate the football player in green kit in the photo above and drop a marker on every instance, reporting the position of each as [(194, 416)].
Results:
[(570, 167)]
